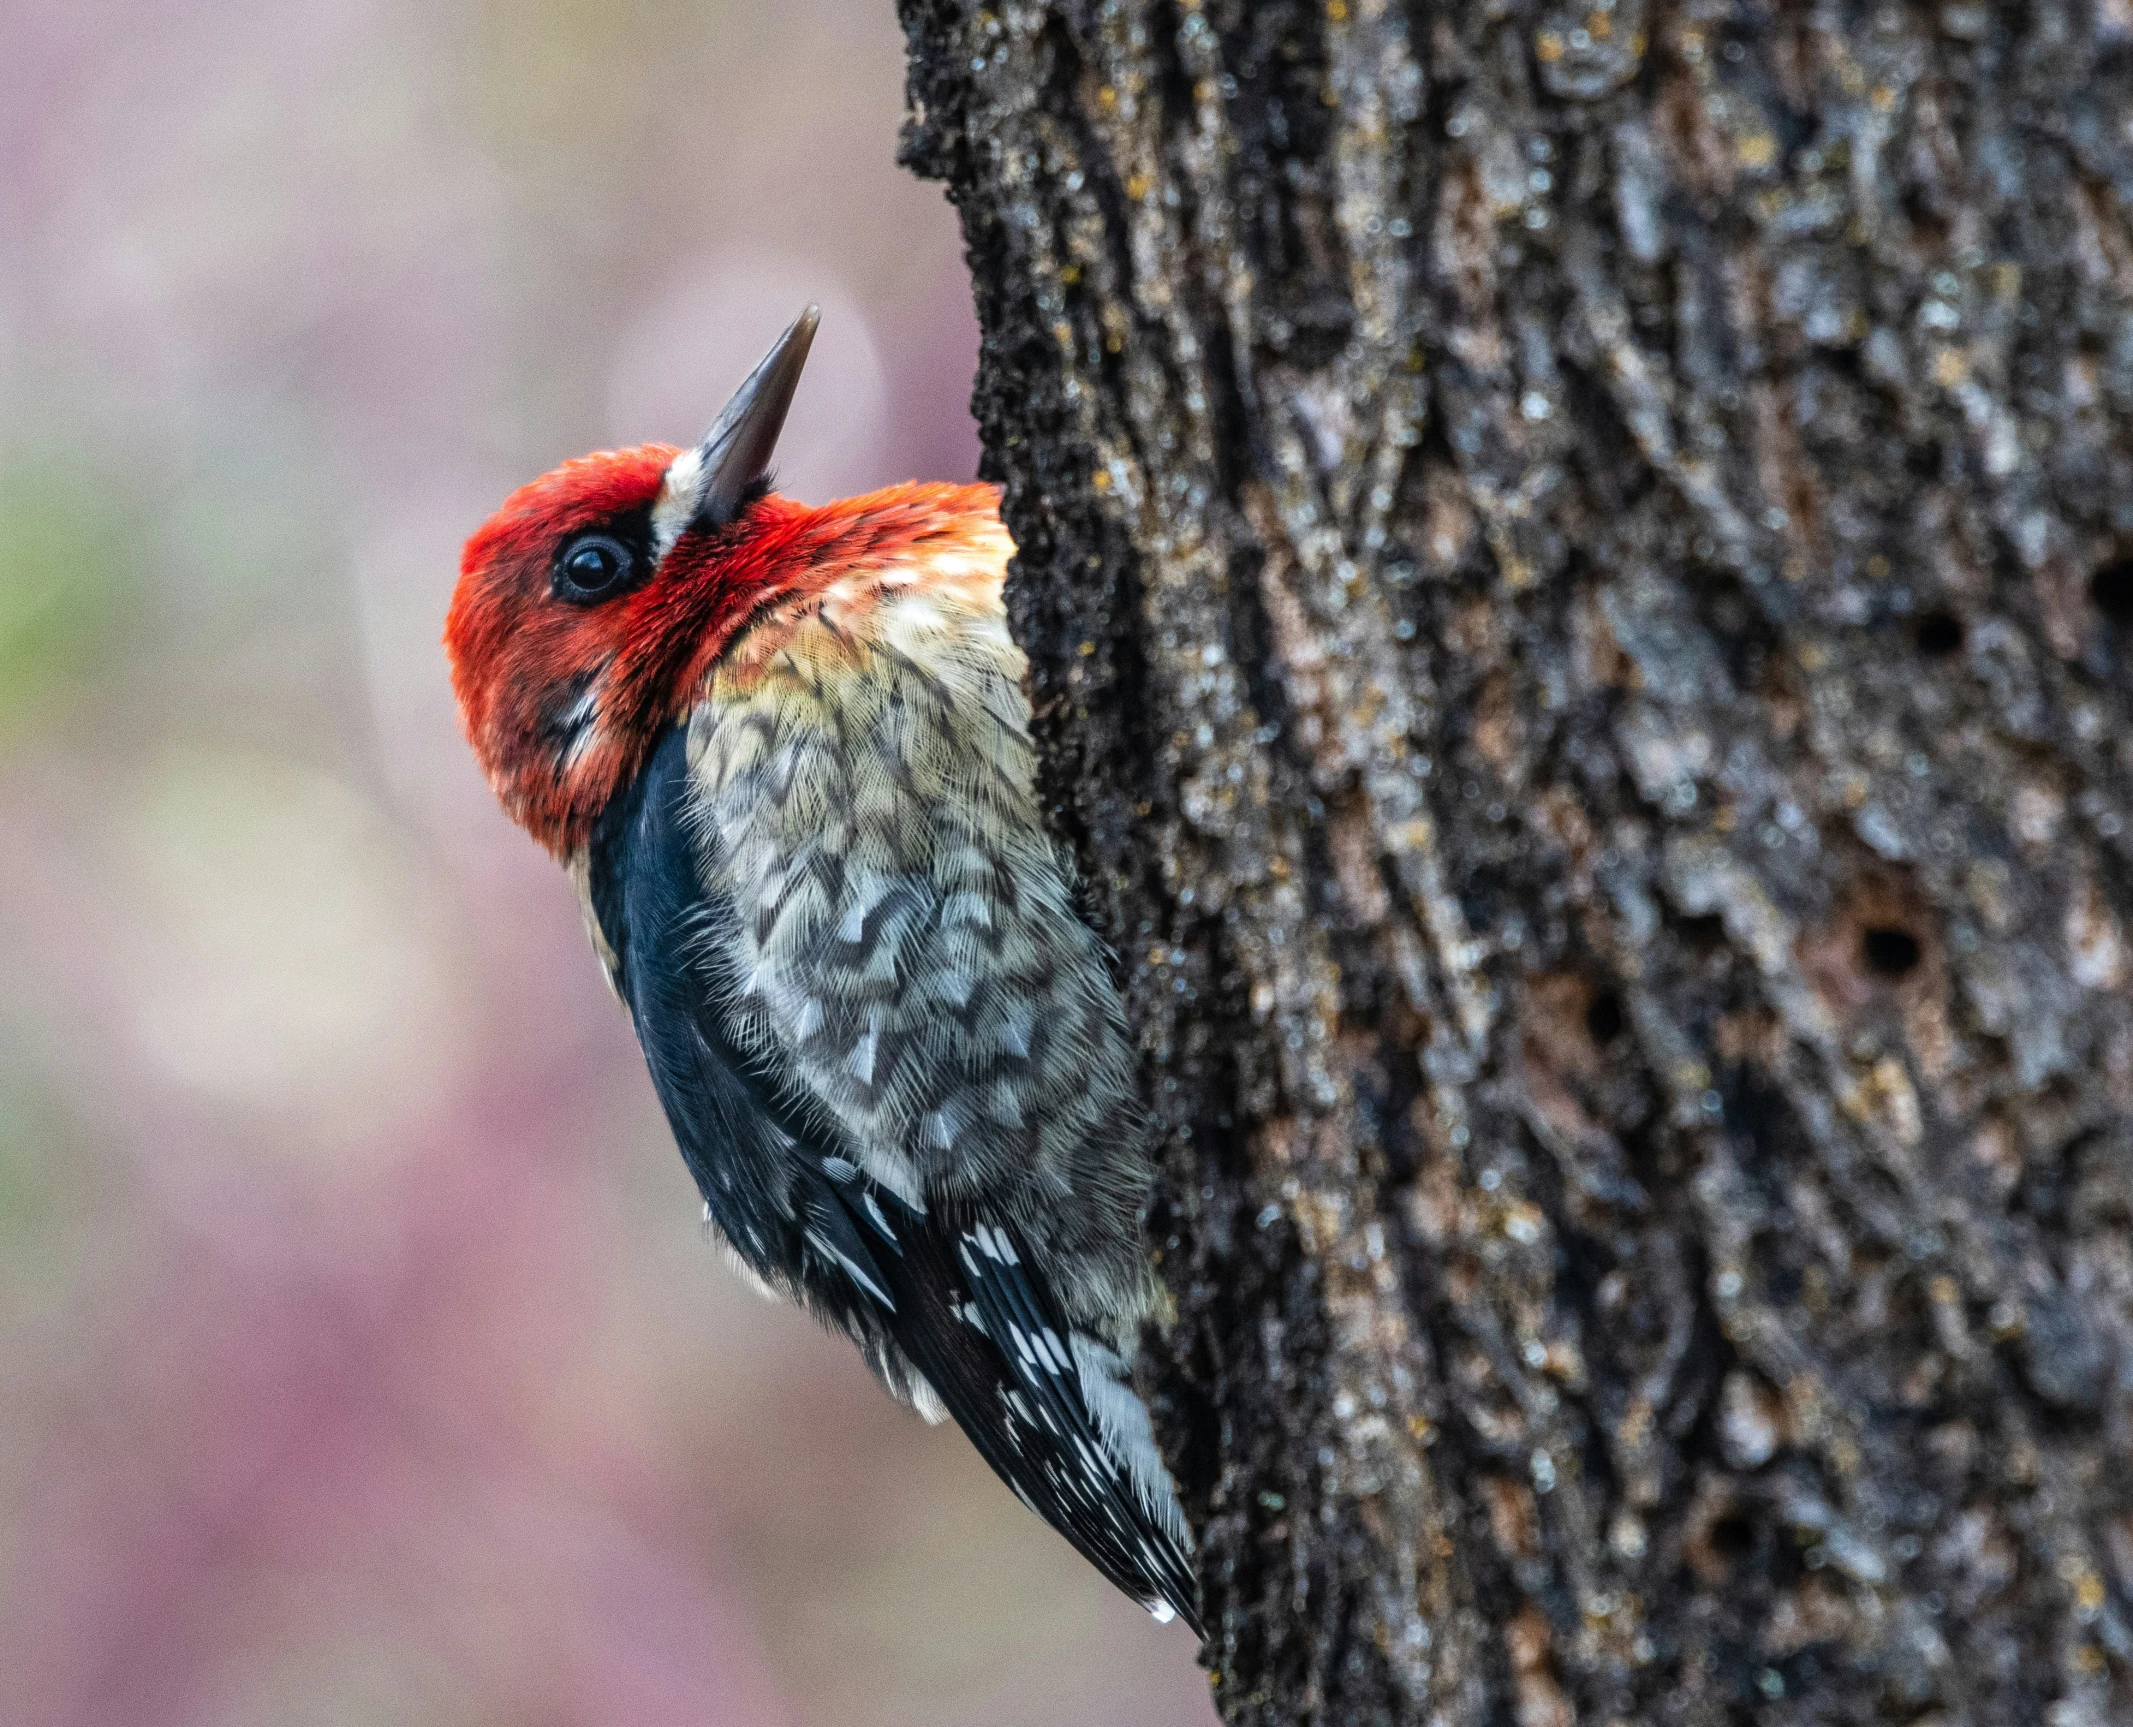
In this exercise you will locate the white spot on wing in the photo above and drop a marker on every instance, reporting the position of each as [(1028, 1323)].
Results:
[(1122, 1424), (830, 1251), (927, 1402), (746, 1272)]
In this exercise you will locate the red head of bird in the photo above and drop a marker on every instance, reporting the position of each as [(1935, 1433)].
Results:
[(591, 606), (585, 604)]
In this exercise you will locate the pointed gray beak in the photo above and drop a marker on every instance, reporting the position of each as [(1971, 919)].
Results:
[(736, 452)]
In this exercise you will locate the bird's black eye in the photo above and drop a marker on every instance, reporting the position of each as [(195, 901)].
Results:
[(591, 567)]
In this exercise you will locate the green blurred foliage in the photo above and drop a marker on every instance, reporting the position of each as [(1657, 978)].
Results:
[(69, 570)]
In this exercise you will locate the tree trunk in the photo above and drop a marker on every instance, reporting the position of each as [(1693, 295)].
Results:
[(1578, 573)]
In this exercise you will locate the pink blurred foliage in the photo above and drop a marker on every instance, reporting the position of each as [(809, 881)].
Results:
[(265, 1461), (363, 1357)]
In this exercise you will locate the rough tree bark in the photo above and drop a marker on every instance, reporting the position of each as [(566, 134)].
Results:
[(1577, 561)]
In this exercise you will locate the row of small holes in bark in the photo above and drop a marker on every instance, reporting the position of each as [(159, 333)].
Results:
[(1884, 950), (1940, 633)]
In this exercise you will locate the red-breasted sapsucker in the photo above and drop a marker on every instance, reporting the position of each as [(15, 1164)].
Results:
[(784, 754)]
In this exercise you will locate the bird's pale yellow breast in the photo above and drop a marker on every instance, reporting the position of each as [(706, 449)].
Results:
[(941, 596)]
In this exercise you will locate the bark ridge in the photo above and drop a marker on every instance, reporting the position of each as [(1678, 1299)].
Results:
[(1577, 562)]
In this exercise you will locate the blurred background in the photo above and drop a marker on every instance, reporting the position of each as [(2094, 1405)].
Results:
[(362, 1358)]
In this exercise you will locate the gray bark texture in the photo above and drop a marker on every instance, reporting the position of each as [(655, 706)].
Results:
[(1577, 564)]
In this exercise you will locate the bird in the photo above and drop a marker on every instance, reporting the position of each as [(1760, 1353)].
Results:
[(783, 753)]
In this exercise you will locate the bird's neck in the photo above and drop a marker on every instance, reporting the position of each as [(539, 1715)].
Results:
[(852, 566), (897, 562)]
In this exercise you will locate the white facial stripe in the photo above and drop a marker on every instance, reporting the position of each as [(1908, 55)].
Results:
[(587, 705), (676, 502), (580, 722)]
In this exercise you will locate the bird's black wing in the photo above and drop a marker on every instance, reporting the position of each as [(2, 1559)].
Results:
[(928, 1288)]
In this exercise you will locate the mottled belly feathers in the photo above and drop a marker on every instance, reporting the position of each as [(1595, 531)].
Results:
[(906, 937)]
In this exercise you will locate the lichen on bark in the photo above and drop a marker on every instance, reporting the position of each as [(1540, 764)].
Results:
[(1577, 563)]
